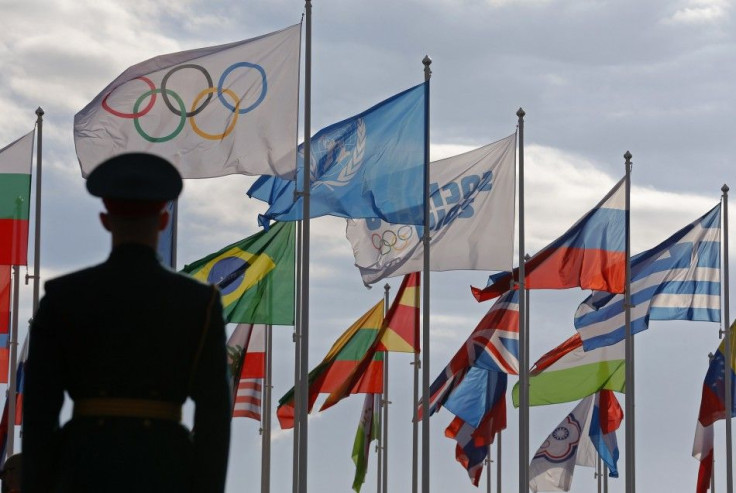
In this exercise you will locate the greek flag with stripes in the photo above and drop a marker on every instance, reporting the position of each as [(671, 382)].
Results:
[(679, 279)]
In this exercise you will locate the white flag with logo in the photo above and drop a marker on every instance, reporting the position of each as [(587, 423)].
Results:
[(553, 465), (211, 111), (471, 226)]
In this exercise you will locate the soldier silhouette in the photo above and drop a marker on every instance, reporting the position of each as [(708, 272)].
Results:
[(129, 341)]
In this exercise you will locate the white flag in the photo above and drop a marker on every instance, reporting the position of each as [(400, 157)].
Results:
[(472, 219), (211, 111), (553, 465)]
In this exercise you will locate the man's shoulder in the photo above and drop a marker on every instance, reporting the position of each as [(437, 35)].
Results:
[(73, 279)]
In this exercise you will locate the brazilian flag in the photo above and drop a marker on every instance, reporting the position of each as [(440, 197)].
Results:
[(255, 276)]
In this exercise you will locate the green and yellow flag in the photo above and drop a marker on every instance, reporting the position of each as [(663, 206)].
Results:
[(368, 430), (255, 276)]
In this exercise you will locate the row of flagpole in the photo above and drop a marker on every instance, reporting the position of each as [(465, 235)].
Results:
[(13, 341)]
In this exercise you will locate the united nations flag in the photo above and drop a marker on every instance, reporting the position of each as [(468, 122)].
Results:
[(255, 276)]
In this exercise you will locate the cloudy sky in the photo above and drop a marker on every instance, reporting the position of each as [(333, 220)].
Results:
[(596, 78)]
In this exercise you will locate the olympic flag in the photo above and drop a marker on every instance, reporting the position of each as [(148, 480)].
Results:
[(211, 111), (472, 219)]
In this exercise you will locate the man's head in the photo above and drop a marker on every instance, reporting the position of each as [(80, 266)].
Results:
[(135, 187), (10, 474)]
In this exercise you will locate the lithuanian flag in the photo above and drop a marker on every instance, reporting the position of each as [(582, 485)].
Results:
[(340, 362), (15, 196), (255, 276), (399, 332)]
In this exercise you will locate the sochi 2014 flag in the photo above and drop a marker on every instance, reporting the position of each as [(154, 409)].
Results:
[(591, 254), (210, 111), (246, 355), (471, 219), (15, 196)]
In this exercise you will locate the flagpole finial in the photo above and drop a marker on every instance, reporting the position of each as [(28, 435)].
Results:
[(725, 188), (521, 113), (426, 61), (628, 156), (39, 111)]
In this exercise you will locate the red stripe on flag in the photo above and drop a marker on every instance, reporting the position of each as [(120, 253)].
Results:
[(13, 241), (254, 366), (4, 299), (4, 358)]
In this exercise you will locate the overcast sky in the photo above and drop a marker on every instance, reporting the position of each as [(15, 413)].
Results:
[(596, 78)]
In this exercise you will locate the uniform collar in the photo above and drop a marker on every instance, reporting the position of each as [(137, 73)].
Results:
[(134, 252)]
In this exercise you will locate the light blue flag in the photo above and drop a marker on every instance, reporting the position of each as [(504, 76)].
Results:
[(370, 165), (679, 279)]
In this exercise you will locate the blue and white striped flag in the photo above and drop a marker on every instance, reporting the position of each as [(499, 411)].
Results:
[(679, 279)]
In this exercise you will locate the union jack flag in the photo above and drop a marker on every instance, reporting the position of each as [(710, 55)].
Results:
[(473, 441), (493, 345)]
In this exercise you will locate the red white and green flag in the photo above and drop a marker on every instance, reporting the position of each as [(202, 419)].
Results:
[(15, 195), (368, 430), (340, 362)]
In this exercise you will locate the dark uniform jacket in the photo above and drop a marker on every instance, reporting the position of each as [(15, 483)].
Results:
[(126, 329)]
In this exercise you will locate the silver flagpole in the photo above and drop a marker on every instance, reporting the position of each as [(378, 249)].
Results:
[(498, 463), (37, 231), (266, 415), (383, 458), (425, 298), (605, 478), (297, 351), (415, 428), (629, 351), (304, 339), (598, 473), (523, 329), (488, 469), (727, 329), (13, 361)]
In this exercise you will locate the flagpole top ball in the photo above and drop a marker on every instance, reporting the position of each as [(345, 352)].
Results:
[(725, 188), (627, 156), (135, 183), (426, 60), (520, 113)]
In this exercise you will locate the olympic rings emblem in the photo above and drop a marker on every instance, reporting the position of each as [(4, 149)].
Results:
[(200, 102), (390, 240)]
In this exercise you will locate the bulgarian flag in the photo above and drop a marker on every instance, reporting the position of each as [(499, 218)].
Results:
[(15, 195), (569, 373), (399, 332), (339, 364)]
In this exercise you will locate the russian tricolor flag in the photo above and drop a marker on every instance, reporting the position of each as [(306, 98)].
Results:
[(591, 254)]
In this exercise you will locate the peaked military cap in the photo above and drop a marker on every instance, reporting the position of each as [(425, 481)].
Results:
[(135, 176)]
